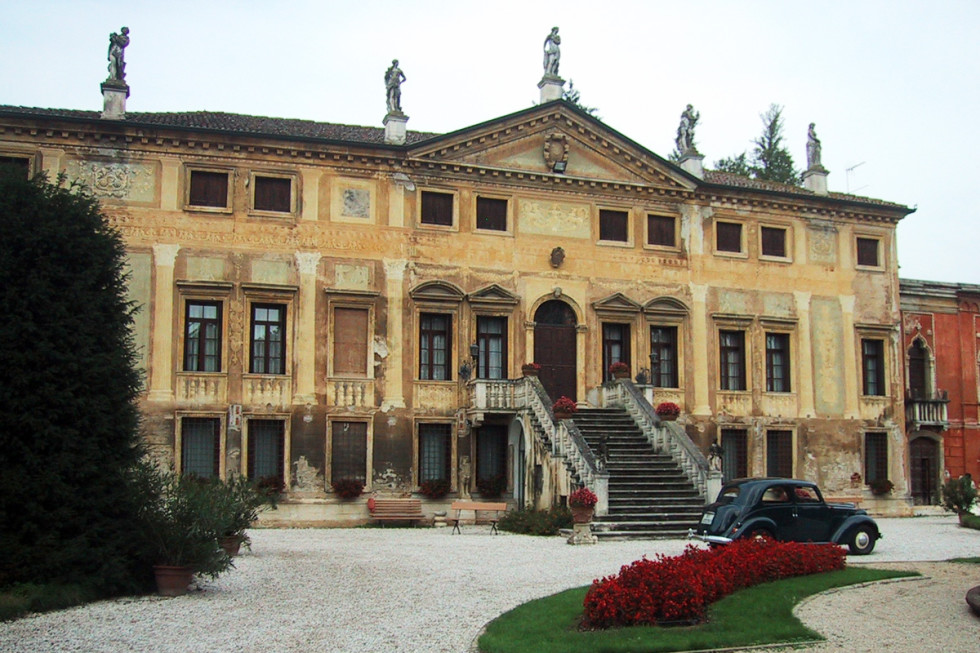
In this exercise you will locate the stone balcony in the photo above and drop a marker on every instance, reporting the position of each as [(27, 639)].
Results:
[(201, 388), (267, 390), (926, 409)]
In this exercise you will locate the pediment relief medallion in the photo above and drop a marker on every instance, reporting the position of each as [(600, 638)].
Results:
[(556, 151)]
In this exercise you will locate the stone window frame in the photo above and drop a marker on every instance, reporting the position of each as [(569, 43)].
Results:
[(630, 221), (339, 185), (222, 417), (286, 419), (202, 291), (454, 227), (743, 324), (190, 169), (676, 247), (882, 255), (882, 333), (743, 252), (443, 298), (353, 299), (294, 193), (782, 326), (417, 449), (668, 312), (328, 448), (787, 243), (258, 293), (509, 228), (33, 163), (868, 463), (794, 442)]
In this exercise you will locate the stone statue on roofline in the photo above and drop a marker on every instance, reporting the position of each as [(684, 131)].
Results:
[(393, 87), (685, 131), (116, 56), (552, 53), (813, 148)]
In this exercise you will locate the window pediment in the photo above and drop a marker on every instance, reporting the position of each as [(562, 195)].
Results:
[(617, 305), (493, 296), (437, 291)]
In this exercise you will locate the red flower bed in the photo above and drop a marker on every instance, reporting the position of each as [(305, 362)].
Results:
[(670, 590)]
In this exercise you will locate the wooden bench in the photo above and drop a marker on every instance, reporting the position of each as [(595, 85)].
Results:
[(478, 506), (395, 509)]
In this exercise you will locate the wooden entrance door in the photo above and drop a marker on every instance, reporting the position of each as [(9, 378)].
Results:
[(555, 349), (924, 468)]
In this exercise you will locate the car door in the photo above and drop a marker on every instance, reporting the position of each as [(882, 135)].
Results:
[(775, 505), (812, 518)]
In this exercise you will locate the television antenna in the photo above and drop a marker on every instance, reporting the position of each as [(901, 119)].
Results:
[(847, 176)]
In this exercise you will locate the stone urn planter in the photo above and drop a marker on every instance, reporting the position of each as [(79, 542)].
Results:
[(560, 414), (172, 581), (582, 515), (531, 369)]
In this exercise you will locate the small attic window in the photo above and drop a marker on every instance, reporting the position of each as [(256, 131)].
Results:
[(437, 208), (614, 225), (491, 214), (19, 166), (208, 188)]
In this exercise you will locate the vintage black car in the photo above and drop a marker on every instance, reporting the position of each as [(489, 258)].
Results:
[(784, 509)]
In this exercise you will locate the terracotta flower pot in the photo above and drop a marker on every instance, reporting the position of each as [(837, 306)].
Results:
[(562, 415), (581, 514), (621, 375), (668, 418), (172, 581), (529, 370), (232, 544)]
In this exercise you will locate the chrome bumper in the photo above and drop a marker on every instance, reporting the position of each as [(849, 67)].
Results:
[(710, 539)]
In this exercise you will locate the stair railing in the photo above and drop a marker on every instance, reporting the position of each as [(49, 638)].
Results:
[(665, 436)]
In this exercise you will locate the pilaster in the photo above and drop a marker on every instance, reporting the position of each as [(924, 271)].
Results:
[(699, 343), (305, 347), (161, 361), (850, 358), (804, 356), (394, 394)]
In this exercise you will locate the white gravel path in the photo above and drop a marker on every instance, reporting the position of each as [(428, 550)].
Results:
[(391, 590)]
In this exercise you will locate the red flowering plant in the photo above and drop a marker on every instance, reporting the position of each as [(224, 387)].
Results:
[(347, 488), (434, 488), (619, 367), (677, 590), (564, 405), (531, 366), (583, 498), (668, 409)]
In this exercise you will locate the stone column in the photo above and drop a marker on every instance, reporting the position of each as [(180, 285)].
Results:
[(580, 355), (804, 356), (304, 349), (162, 335), (394, 393), (699, 346), (850, 359)]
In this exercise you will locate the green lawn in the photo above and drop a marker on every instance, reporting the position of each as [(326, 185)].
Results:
[(550, 625)]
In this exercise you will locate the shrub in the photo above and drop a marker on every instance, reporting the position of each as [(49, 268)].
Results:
[(668, 408), (673, 590), (347, 488), (564, 405), (969, 520), (583, 498), (881, 486), (958, 495), (536, 522), (619, 367), (492, 486), (435, 489)]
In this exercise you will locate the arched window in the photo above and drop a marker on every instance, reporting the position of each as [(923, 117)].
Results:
[(918, 370)]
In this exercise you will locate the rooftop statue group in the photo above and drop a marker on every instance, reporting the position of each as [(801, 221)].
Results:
[(116, 56)]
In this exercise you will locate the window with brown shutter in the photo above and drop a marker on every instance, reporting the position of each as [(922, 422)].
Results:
[(208, 189), (774, 242), (867, 252), (15, 165), (350, 339), (728, 237), (661, 231), (613, 225), (273, 194), (437, 208), (491, 214)]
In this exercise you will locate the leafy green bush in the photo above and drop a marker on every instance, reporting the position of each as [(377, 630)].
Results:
[(17, 600), (536, 522), (958, 495), (971, 521)]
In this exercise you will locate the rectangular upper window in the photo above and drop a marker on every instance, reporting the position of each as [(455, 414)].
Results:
[(435, 346), (614, 225), (661, 231), (873, 366), (268, 339), (272, 194), (774, 242), (437, 208), (19, 166), (491, 214), (350, 341), (615, 347), (663, 356), (777, 362), (208, 189), (202, 337), (868, 252), (491, 338), (728, 237), (732, 357)]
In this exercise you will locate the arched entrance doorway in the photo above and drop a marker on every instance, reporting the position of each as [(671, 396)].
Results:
[(924, 470), (555, 348)]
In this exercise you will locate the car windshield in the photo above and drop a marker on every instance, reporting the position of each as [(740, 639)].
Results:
[(728, 495)]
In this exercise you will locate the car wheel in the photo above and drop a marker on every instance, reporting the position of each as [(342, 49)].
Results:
[(862, 540)]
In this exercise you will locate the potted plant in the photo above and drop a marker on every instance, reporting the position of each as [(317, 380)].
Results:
[(619, 370), (582, 502), (180, 519), (434, 488), (668, 411), (564, 408), (347, 488), (958, 495), (530, 369), (243, 501), (881, 486)]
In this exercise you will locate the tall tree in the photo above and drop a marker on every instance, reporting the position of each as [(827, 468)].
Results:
[(574, 96), (770, 160), (69, 438)]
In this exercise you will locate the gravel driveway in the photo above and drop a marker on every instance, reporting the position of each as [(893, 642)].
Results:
[(425, 590)]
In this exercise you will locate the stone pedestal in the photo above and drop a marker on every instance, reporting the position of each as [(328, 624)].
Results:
[(395, 129), (439, 519), (693, 163), (582, 534), (114, 94), (552, 88), (815, 179)]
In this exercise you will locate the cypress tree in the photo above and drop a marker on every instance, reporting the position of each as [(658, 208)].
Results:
[(69, 436)]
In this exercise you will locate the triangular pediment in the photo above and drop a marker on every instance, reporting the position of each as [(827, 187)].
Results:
[(553, 140), (493, 295), (617, 304)]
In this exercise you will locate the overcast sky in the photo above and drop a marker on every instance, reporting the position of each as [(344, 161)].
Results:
[(892, 86)]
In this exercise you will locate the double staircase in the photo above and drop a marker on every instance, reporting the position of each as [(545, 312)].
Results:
[(649, 494)]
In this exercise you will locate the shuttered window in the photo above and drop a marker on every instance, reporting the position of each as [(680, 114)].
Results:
[(661, 231), (350, 341), (273, 194), (774, 242), (491, 214), (613, 225), (867, 252), (348, 451), (208, 189), (728, 237), (437, 208), (200, 446)]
